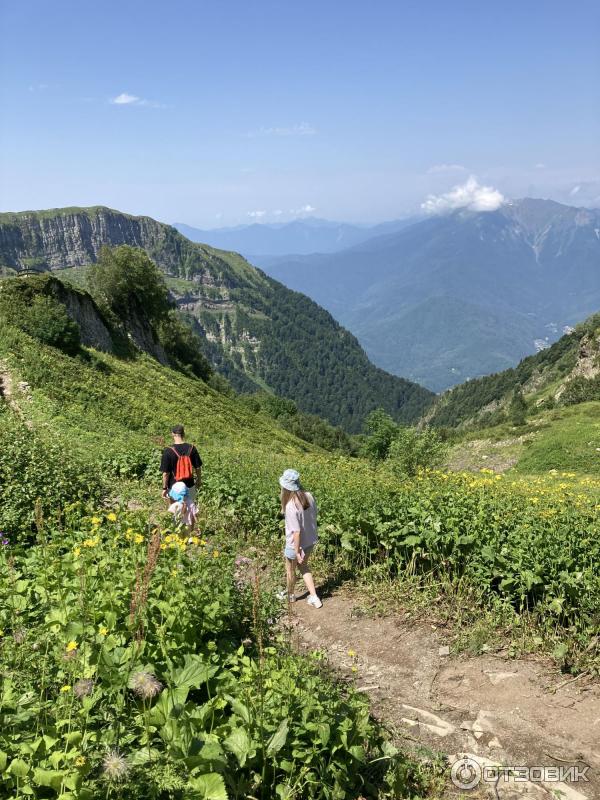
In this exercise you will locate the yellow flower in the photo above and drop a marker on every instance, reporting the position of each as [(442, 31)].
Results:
[(195, 540), (79, 761), (138, 538), (215, 553), (163, 546), (174, 573), (90, 542), (354, 669), (112, 516), (203, 542), (103, 630), (65, 688), (76, 551), (351, 653), (129, 531), (96, 520), (71, 646)]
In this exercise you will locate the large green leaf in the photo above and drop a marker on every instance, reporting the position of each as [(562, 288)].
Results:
[(208, 787), (278, 739), (194, 672), (238, 743)]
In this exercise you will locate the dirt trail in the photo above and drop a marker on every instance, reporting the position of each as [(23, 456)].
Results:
[(496, 710)]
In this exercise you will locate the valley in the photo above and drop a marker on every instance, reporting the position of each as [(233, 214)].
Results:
[(460, 295)]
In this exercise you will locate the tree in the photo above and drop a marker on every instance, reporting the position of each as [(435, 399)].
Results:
[(381, 430), (517, 410), (128, 282)]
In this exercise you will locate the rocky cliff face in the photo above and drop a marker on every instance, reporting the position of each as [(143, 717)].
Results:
[(73, 237), (256, 332)]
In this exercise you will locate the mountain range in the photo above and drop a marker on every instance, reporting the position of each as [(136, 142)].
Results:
[(254, 330), (301, 236), (460, 295)]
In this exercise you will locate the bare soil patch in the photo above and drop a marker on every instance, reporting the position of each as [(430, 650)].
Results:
[(520, 712)]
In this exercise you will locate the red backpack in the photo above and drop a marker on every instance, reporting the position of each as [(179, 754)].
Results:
[(184, 468)]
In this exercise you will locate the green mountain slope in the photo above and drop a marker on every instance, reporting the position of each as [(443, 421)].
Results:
[(564, 373), (515, 277), (257, 333)]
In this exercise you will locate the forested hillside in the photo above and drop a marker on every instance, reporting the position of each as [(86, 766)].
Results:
[(565, 373), (256, 332), (462, 294)]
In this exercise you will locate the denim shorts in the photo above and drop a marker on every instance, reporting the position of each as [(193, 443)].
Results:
[(290, 553)]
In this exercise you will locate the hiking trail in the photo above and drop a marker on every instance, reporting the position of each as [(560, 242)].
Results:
[(501, 711)]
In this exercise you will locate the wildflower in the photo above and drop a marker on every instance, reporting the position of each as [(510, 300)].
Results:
[(71, 646), (351, 653), (144, 684), (83, 687), (96, 520), (354, 669), (76, 551), (114, 766), (90, 542), (4, 540), (138, 538), (174, 573), (103, 631), (129, 531), (79, 761), (112, 517), (66, 688), (215, 553)]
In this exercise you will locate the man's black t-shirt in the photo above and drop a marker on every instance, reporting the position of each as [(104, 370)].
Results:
[(168, 462)]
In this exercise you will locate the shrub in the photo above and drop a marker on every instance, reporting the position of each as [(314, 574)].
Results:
[(581, 390), (183, 346), (412, 450), (26, 306)]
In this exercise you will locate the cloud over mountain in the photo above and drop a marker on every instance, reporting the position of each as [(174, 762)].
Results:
[(471, 195)]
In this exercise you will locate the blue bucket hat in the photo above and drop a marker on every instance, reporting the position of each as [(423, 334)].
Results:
[(290, 480)]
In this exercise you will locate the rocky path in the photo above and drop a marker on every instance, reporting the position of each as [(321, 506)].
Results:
[(486, 708)]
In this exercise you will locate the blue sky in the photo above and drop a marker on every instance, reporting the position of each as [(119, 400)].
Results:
[(237, 111)]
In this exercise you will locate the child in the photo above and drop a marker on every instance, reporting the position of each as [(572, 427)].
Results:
[(300, 512), (181, 507)]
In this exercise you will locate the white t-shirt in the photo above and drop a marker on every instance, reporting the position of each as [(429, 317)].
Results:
[(303, 520)]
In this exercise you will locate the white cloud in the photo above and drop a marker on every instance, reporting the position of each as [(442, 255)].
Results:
[(469, 195), (125, 99), (278, 212), (575, 190), (446, 168), (300, 129), (540, 166), (256, 214), (307, 209)]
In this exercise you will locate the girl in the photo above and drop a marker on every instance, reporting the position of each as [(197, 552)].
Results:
[(300, 512)]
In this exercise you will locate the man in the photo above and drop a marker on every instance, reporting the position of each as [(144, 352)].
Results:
[(181, 462)]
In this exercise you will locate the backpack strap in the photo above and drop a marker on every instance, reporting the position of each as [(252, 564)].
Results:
[(175, 451)]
